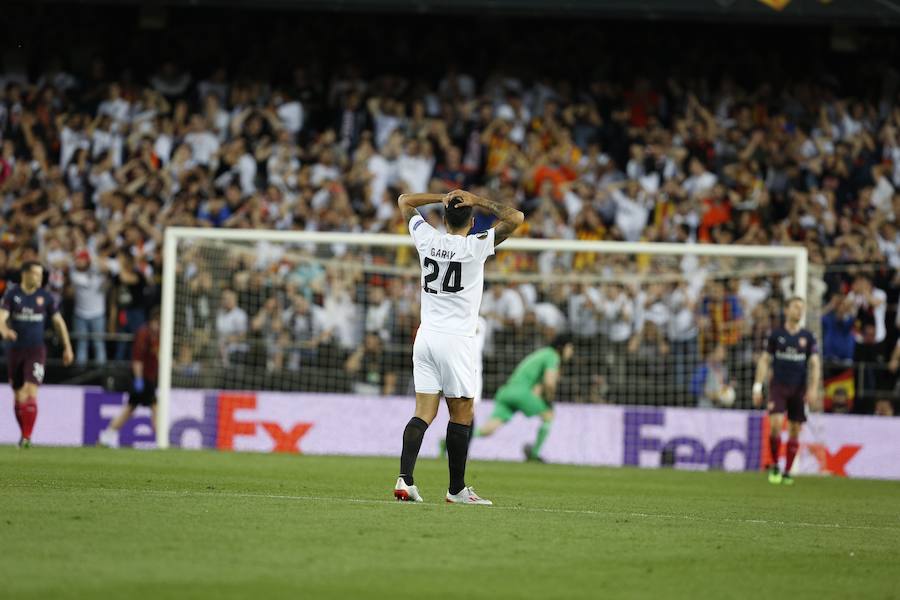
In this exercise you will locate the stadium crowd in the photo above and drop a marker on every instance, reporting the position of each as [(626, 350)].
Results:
[(94, 166)]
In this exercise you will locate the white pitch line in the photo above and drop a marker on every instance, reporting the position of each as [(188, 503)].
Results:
[(594, 513)]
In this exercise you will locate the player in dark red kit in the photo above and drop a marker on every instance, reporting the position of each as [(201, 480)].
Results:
[(145, 371), (28, 307), (794, 356)]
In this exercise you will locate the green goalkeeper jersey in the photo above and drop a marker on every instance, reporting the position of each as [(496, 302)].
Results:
[(531, 370)]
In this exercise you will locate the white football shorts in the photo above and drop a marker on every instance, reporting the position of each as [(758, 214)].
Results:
[(443, 362)]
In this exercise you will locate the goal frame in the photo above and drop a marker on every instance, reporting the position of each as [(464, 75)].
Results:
[(798, 254)]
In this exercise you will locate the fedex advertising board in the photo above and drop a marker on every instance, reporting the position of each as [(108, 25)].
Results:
[(335, 424)]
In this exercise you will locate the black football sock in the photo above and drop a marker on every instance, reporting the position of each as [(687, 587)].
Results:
[(458, 437), (412, 442)]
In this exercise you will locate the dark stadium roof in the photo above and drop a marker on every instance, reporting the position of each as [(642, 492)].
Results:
[(869, 12)]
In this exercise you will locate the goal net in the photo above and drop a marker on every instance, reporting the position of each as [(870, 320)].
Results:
[(320, 313)]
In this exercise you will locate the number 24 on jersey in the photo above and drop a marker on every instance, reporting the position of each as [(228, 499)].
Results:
[(451, 283)]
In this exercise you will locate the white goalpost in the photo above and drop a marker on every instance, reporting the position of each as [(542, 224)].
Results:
[(335, 313)]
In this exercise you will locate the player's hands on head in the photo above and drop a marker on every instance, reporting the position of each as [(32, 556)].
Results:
[(468, 198)]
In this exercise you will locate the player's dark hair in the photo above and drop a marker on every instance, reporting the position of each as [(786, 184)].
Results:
[(560, 341), (457, 218), (30, 264)]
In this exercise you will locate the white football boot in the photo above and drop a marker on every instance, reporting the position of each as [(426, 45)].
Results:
[(108, 438), (406, 493), (467, 496)]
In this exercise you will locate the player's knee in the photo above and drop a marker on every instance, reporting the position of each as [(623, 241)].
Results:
[(426, 414), (29, 390), (463, 417), (427, 406), (775, 424), (462, 410)]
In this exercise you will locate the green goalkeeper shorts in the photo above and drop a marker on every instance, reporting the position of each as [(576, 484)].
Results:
[(511, 399)]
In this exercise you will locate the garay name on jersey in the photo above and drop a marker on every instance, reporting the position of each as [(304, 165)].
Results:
[(442, 254)]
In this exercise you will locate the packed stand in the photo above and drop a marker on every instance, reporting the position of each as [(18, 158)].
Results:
[(94, 167)]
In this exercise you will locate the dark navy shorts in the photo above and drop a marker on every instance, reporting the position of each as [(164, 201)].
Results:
[(790, 399), (26, 365), (144, 398)]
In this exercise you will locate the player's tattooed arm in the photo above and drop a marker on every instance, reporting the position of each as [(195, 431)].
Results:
[(510, 220), (408, 203), (508, 217)]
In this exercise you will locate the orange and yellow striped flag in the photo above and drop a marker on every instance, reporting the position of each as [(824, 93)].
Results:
[(840, 381)]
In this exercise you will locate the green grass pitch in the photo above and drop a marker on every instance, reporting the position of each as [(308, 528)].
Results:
[(95, 523)]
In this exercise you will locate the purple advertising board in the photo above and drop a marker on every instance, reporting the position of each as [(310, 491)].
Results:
[(335, 424)]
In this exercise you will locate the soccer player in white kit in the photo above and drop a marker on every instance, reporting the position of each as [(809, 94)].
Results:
[(444, 353)]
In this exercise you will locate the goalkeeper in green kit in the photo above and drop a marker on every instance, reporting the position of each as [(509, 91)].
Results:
[(531, 390)]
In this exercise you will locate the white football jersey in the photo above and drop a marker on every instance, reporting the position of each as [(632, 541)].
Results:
[(452, 276)]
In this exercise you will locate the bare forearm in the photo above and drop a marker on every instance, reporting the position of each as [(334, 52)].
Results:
[(762, 369), (353, 363), (815, 373), (417, 200), (63, 331), (503, 212), (408, 203), (258, 322), (390, 384), (508, 217)]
